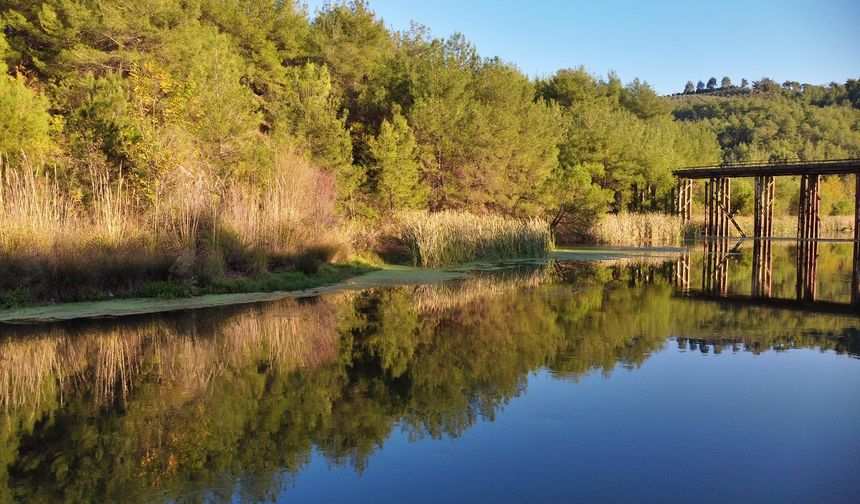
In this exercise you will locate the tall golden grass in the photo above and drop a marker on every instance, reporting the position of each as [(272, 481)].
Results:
[(785, 226), (660, 229), (65, 244), (448, 238), (639, 230)]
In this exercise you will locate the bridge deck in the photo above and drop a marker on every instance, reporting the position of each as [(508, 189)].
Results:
[(785, 168)]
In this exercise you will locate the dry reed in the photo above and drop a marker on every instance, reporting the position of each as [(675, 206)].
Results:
[(449, 238), (62, 243), (785, 226), (659, 229), (639, 230)]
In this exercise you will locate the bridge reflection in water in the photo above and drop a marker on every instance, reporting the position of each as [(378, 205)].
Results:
[(715, 265)]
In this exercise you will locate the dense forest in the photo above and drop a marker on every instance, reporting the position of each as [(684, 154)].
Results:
[(158, 118), (402, 119)]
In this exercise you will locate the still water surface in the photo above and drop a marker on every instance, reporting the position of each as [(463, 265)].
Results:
[(557, 383)]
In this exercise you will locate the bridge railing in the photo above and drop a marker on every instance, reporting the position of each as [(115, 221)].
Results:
[(746, 164)]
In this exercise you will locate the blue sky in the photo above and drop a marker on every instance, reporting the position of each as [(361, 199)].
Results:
[(663, 42)]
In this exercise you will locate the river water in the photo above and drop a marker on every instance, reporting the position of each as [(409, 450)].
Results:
[(613, 381)]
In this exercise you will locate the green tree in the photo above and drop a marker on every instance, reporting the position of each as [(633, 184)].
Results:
[(726, 83), (641, 99), (689, 88), (355, 45), (712, 83), (485, 142), (568, 87), (396, 171), (25, 124), (309, 111)]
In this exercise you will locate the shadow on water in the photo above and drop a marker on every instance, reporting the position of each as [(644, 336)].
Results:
[(231, 403)]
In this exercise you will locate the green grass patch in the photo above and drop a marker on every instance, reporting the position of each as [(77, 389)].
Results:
[(265, 282), (291, 280), (19, 296)]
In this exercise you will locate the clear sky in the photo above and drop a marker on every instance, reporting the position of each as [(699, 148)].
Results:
[(663, 42)]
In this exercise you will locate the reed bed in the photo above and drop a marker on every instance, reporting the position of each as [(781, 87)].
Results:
[(660, 229), (785, 226), (639, 230), (448, 238), (60, 242)]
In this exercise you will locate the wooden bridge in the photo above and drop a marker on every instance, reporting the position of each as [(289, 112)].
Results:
[(719, 217)]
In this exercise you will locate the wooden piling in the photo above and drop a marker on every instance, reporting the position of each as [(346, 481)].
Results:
[(682, 273), (727, 206), (762, 234), (684, 199), (855, 270), (808, 228), (801, 238), (770, 194), (709, 208), (689, 208), (758, 213)]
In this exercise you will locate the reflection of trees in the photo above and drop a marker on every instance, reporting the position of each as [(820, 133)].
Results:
[(177, 405), (758, 329), (102, 410)]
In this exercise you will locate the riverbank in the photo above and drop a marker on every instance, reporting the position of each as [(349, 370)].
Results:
[(168, 289), (57, 246), (371, 277)]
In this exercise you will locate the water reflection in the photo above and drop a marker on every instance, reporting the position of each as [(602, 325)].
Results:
[(205, 404), (721, 266)]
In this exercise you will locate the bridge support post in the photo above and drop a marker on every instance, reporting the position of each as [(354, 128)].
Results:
[(808, 226), (684, 203), (717, 203), (855, 273), (762, 233), (682, 273), (718, 206)]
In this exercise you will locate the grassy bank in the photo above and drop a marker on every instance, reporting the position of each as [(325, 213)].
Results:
[(171, 289), (200, 235), (448, 238), (267, 282), (195, 233)]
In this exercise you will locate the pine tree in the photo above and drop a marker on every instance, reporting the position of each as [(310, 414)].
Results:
[(396, 171)]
